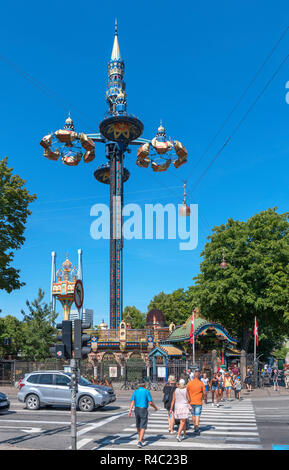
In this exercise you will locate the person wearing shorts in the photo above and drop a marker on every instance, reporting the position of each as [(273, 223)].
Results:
[(196, 391), (220, 387), (140, 400), (228, 384), (238, 387), (215, 389), (206, 382), (275, 380)]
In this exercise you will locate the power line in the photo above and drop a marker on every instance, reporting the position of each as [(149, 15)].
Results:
[(59, 100), (241, 121), (252, 81)]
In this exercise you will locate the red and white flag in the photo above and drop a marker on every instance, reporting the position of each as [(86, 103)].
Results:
[(192, 328), (256, 331)]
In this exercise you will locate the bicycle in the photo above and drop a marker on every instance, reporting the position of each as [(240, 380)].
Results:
[(125, 386)]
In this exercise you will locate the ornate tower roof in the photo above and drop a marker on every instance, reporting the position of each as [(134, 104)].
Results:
[(69, 123), (115, 55), (161, 134), (116, 95)]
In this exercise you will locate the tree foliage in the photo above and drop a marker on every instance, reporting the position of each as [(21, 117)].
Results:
[(11, 336), (176, 307), (14, 202), (137, 318), (256, 281), (38, 329)]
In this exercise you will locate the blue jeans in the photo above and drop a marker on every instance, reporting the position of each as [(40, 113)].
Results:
[(196, 410)]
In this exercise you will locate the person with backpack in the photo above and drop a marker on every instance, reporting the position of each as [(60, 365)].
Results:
[(238, 387), (168, 391), (248, 380)]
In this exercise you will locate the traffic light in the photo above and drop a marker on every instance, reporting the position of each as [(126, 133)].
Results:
[(81, 340), (64, 349)]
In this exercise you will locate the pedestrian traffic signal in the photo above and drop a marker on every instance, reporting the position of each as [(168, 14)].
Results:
[(63, 350), (81, 340)]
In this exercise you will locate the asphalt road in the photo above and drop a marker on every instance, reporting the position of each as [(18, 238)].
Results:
[(251, 424)]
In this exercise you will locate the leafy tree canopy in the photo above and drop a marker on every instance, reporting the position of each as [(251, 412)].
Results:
[(176, 307), (256, 281), (135, 316), (14, 202), (38, 328)]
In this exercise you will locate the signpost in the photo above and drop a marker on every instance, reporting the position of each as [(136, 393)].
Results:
[(78, 294), (78, 300)]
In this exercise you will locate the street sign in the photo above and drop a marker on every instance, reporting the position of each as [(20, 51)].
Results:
[(78, 294)]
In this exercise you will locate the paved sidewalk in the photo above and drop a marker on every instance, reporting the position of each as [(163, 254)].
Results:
[(264, 392)]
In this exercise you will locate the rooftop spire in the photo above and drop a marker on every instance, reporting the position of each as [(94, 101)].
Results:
[(115, 55)]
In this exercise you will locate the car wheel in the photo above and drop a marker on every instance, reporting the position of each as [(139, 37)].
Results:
[(32, 402), (86, 403)]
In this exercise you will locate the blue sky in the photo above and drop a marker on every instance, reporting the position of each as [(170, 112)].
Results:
[(186, 64)]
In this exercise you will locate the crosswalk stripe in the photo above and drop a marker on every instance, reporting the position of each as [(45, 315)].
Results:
[(232, 427), (191, 445), (222, 426), (205, 432)]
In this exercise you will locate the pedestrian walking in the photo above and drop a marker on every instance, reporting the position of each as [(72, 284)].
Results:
[(206, 382), (248, 380), (220, 388), (196, 392), (190, 374), (235, 370), (214, 389), (140, 400), (275, 380), (286, 375), (180, 407), (228, 384), (238, 387), (168, 392)]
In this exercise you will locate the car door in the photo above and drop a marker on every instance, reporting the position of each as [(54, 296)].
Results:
[(45, 388), (62, 394)]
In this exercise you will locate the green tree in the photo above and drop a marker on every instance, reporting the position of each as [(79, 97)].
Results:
[(176, 307), (134, 315), (11, 336), (14, 202), (256, 281), (280, 353), (38, 329)]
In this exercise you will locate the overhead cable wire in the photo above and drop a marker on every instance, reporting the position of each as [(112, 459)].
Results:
[(242, 96), (241, 121), (59, 100)]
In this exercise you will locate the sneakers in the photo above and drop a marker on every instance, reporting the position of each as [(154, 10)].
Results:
[(140, 444), (197, 432), (179, 438)]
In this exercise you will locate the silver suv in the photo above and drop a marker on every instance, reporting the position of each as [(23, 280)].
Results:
[(49, 388)]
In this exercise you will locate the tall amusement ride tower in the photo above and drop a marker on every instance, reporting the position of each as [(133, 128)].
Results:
[(117, 131)]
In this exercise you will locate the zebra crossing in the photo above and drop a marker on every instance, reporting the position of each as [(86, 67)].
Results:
[(231, 426)]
